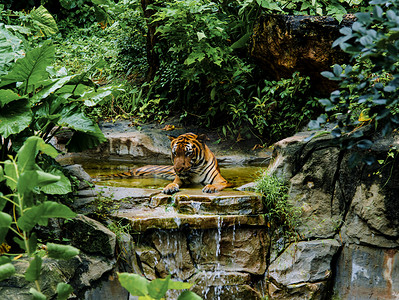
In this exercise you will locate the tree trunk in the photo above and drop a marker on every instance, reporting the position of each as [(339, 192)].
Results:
[(152, 57)]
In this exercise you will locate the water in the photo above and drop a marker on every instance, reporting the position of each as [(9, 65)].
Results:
[(237, 175)]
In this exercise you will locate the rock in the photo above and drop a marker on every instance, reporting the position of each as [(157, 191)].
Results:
[(299, 291), (367, 273), (224, 285), (85, 181), (222, 203), (283, 44), (151, 262), (301, 265), (237, 249), (82, 272), (247, 187), (172, 245), (91, 236)]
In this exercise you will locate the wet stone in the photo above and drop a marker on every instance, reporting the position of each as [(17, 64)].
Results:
[(222, 203), (230, 249), (175, 253)]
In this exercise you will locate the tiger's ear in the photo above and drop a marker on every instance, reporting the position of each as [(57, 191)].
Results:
[(202, 138), (171, 137)]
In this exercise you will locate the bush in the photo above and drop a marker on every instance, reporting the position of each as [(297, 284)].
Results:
[(368, 91), (279, 211)]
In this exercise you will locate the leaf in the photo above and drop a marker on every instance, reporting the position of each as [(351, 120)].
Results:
[(15, 117), (60, 187), (36, 294), (135, 284), (179, 285), (364, 144), (61, 251), (44, 20), (7, 96), (50, 89), (201, 35), (242, 42), (28, 152), (6, 271), (63, 291), (158, 287), (188, 295), (32, 273), (5, 223), (41, 213), (32, 68), (11, 48), (10, 169)]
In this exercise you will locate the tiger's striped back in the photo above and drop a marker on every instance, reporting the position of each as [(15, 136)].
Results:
[(165, 172)]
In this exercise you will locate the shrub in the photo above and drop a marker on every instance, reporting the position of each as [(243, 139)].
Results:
[(368, 92), (279, 211)]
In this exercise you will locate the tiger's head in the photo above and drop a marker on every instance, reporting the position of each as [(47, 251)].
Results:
[(187, 150)]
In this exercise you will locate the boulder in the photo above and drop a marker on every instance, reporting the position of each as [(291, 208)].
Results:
[(91, 236), (82, 272), (237, 249), (172, 245), (302, 269), (85, 181), (367, 273), (283, 44)]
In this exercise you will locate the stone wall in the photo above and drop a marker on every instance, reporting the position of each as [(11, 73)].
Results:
[(356, 206)]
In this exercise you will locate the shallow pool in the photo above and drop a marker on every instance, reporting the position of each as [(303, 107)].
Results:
[(236, 175)]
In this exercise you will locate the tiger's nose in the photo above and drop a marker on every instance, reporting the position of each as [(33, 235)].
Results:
[(178, 170)]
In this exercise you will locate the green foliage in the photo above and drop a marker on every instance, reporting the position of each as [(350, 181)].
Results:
[(278, 110), (369, 89), (155, 289), (279, 211), (335, 8), (36, 100), (25, 179)]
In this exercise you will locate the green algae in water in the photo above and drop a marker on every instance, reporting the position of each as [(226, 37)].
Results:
[(236, 175)]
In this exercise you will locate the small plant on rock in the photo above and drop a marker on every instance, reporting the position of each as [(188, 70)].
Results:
[(279, 211)]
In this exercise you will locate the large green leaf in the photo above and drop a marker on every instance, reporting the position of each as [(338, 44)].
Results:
[(179, 285), (7, 96), (5, 223), (85, 140), (158, 287), (88, 133), (15, 117), (188, 295), (135, 284), (50, 89), (32, 273), (60, 187), (28, 152), (41, 213), (32, 68), (61, 251), (44, 20), (30, 180), (11, 49), (10, 169)]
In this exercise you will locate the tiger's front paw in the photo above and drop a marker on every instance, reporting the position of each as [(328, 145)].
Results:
[(171, 188), (209, 188)]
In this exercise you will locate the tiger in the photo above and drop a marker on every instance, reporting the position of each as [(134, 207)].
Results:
[(193, 162)]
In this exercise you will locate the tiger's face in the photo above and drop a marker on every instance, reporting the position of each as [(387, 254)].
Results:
[(185, 150)]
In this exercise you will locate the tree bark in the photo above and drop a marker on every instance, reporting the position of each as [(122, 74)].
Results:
[(152, 57)]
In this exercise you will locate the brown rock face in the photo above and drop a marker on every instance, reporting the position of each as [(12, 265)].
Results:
[(284, 44)]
